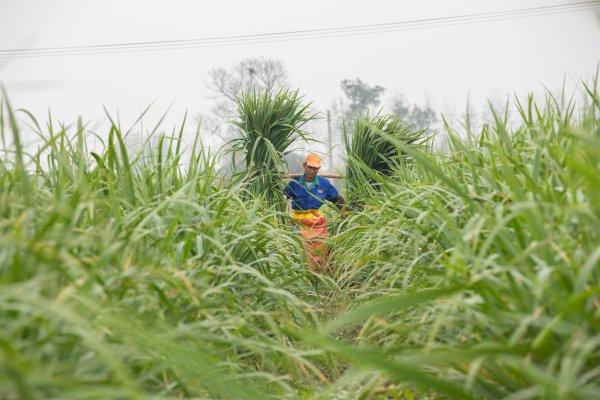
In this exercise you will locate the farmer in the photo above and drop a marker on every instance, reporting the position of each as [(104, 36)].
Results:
[(308, 192)]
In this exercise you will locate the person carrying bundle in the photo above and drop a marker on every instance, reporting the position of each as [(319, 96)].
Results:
[(308, 192)]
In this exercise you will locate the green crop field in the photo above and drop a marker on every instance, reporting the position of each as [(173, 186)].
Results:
[(150, 274)]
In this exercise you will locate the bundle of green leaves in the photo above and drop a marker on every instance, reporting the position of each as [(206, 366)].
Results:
[(371, 155), (268, 124)]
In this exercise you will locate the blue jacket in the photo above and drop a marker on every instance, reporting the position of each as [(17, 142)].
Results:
[(313, 200)]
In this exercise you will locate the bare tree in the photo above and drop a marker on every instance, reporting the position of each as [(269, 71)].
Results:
[(226, 84), (251, 73)]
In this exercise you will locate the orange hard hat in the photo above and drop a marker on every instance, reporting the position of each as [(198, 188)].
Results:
[(313, 160)]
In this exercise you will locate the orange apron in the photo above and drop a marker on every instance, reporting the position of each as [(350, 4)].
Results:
[(313, 231)]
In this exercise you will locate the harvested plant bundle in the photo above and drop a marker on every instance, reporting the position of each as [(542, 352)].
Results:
[(371, 153), (268, 124)]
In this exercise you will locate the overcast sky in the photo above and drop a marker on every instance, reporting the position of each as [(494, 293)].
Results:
[(444, 64)]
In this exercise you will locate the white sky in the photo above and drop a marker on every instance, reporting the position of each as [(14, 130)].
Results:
[(445, 64)]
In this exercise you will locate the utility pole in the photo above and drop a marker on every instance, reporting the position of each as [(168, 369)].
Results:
[(329, 144)]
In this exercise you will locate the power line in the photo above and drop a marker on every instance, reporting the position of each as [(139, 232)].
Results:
[(356, 30), (297, 35), (324, 30)]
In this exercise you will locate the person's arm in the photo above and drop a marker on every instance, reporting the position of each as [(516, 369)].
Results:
[(334, 197), (287, 191)]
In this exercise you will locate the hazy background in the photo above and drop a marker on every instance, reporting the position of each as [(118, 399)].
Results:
[(442, 65)]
